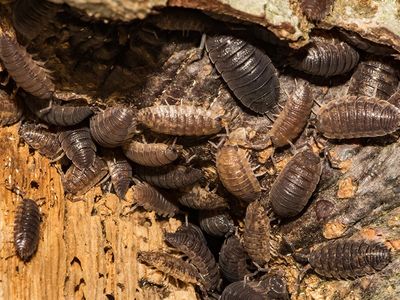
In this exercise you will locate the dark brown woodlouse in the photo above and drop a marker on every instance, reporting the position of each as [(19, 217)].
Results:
[(150, 199), (199, 254), (27, 229), (256, 234), (170, 176), (325, 58), (357, 117), (296, 183), (293, 118), (347, 259), (181, 120), (232, 260), (41, 139), (78, 146), (113, 126), (216, 222), (170, 265), (11, 109), (79, 181), (378, 79), (152, 154), (30, 17), (247, 71), (236, 174), (190, 228), (120, 171), (316, 10), (27, 73), (200, 198)]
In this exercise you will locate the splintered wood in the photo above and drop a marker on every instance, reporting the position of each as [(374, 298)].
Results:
[(87, 248)]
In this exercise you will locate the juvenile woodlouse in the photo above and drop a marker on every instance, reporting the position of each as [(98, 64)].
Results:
[(200, 198), (316, 10), (11, 109), (27, 229), (170, 265), (41, 139), (151, 155), (257, 233), (27, 73), (181, 120), (325, 58), (236, 174), (120, 172), (216, 222), (150, 199), (199, 254), (113, 126), (247, 71), (170, 176), (293, 118), (357, 117), (232, 260), (78, 146), (296, 183), (377, 79), (347, 259), (78, 181)]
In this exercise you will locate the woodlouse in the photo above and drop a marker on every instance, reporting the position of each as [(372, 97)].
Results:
[(325, 58), (78, 181), (216, 222), (78, 146), (377, 79), (150, 199), (316, 10), (27, 73), (120, 172), (170, 176), (296, 183), (232, 260), (199, 254), (346, 258), (181, 120), (293, 118), (152, 154), (200, 198), (256, 234), (236, 174), (247, 71), (113, 126), (27, 229), (11, 109), (41, 139), (357, 117)]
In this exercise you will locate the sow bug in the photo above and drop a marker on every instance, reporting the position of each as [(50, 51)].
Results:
[(27, 229), (170, 176), (256, 233), (216, 222), (316, 10), (79, 181), (182, 120), (151, 155), (296, 183), (41, 139), (232, 260), (11, 109), (27, 73), (113, 126), (357, 117), (199, 254), (200, 198), (120, 172), (346, 258), (150, 199), (247, 71), (78, 146), (236, 174), (293, 118), (325, 58), (378, 79)]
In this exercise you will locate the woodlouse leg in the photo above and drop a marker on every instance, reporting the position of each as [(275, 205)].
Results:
[(300, 279), (57, 158), (104, 179)]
